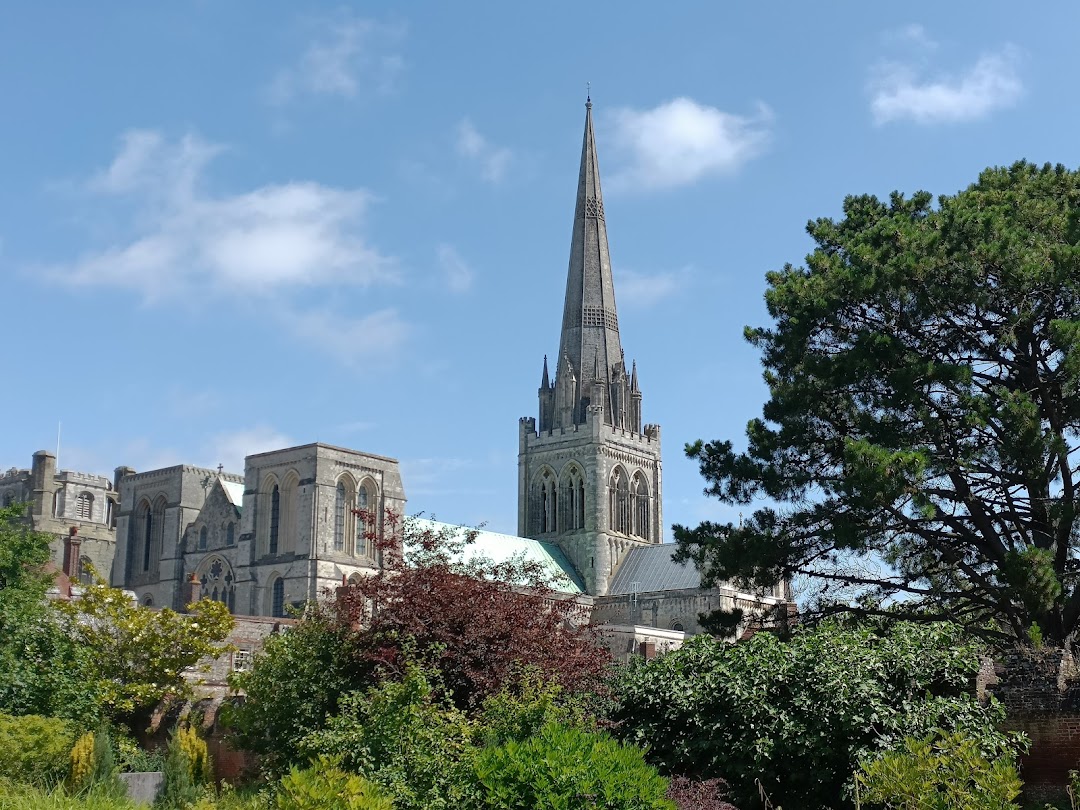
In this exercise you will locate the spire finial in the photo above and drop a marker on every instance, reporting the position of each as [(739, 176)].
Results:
[(588, 95)]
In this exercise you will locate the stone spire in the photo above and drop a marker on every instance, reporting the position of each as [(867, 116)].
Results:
[(590, 325)]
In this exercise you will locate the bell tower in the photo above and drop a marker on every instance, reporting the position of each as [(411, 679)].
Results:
[(589, 472)]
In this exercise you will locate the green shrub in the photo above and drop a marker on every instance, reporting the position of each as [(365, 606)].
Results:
[(187, 767), (800, 714), (939, 772), (564, 767), (93, 765), (133, 758), (402, 737), (324, 786), (35, 749)]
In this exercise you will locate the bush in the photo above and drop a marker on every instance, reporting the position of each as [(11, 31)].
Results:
[(324, 786), (703, 794), (35, 749), (187, 767), (93, 765), (939, 772), (566, 767), (800, 715), (402, 737)]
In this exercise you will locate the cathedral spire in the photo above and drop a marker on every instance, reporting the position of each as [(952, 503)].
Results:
[(590, 325)]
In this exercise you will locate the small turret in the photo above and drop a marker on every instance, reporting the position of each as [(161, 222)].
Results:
[(547, 400)]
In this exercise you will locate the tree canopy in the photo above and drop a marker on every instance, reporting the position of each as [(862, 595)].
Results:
[(919, 444)]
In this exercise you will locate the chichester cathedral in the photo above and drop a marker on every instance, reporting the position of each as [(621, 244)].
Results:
[(284, 532)]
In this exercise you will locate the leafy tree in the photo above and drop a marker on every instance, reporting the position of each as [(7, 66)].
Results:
[(138, 655), (921, 432), (939, 772), (479, 623), (798, 715), (295, 682)]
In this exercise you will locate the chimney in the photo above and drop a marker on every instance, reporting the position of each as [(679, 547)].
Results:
[(647, 649), (71, 554), (192, 590)]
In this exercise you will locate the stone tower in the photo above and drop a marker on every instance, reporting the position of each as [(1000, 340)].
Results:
[(589, 474)]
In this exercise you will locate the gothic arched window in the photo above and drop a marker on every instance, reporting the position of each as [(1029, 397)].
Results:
[(639, 500), (367, 499), (203, 535), (230, 534), (275, 519), (619, 502), (9, 498), (277, 598), (84, 506), (339, 517), (145, 527), (218, 582)]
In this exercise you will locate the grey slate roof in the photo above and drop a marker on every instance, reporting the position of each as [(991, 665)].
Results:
[(650, 568)]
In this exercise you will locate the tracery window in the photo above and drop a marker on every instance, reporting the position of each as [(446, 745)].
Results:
[(546, 503), (619, 502), (84, 506), (218, 583), (367, 499), (572, 501)]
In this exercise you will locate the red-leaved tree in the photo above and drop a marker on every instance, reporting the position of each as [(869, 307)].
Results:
[(482, 624)]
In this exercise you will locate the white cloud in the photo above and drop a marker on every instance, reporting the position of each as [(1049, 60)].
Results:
[(270, 238), (642, 290), (901, 90), (680, 142), (492, 160), (458, 274), (230, 448), (354, 341), (344, 59)]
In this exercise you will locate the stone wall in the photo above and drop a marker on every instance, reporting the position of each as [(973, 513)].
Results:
[(1040, 690)]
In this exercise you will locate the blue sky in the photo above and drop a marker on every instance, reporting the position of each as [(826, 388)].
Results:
[(230, 227)]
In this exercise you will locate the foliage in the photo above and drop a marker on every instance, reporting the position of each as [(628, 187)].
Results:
[(133, 758), (939, 772), (187, 767), (699, 794), (93, 765), (475, 621), (562, 767), (401, 736), (140, 653), (525, 706), (324, 786), (800, 714), (194, 748), (35, 749), (15, 796), (924, 409), (466, 619), (40, 667), (295, 682), (82, 762)]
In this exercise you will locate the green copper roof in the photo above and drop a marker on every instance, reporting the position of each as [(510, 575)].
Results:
[(501, 547)]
